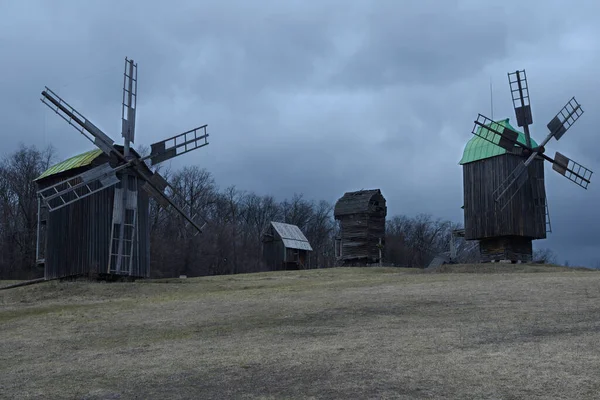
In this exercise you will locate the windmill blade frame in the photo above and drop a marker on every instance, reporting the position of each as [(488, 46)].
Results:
[(518, 177), (129, 104), (565, 118), (496, 133), (83, 125), (566, 167), (156, 187), (540, 203), (78, 187), (519, 90), (172, 147), (192, 211), (521, 101)]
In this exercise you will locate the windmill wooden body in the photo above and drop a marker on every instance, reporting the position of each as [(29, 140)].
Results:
[(361, 216), (94, 207), (505, 205)]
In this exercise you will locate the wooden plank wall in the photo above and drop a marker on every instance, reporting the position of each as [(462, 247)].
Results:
[(273, 251), (360, 234), (521, 217), (514, 248), (78, 235)]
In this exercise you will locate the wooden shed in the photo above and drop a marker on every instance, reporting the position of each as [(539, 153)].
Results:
[(285, 247), (503, 234), (362, 227), (80, 238)]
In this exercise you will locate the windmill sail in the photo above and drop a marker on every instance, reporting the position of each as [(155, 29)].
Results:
[(156, 186), (83, 185), (520, 98), (179, 144), (565, 118), (495, 133), (78, 121), (129, 101), (572, 170), (511, 185), (519, 91)]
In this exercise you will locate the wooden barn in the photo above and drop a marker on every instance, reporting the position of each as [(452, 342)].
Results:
[(362, 227), (81, 238), (285, 247), (504, 235)]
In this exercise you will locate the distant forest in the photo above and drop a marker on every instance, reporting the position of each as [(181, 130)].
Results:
[(232, 239)]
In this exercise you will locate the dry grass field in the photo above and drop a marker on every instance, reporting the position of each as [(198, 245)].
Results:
[(509, 332)]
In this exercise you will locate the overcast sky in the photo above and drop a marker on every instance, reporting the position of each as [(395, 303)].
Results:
[(316, 97)]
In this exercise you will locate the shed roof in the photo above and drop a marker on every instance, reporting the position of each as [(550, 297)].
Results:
[(479, 149), (355, 202), (77, 161), (292, 236)]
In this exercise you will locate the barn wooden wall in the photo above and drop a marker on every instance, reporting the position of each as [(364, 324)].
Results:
[(273, 254), (521, 217)]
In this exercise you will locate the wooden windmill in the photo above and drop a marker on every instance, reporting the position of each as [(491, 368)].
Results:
[(505, 202), (361, 216), (93, 217)]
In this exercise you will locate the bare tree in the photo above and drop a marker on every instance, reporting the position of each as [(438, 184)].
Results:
[(231, 200), (296, 211), (258, 214), (414, 242), (319, 232), (544, 256), (18, 209)]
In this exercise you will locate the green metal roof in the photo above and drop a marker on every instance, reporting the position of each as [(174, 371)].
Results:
[(74, 162), (479, 149)]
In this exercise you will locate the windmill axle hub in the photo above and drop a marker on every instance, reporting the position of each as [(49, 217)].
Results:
[(539, 149)]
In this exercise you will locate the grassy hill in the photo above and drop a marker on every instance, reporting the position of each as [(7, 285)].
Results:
[(510, 332)]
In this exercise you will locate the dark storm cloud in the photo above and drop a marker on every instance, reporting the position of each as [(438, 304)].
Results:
[(318, 98)]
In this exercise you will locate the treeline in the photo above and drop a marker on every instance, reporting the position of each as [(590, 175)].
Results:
[(18, 211), (234, 221)]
